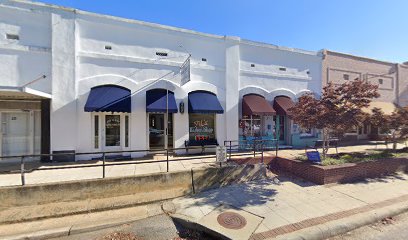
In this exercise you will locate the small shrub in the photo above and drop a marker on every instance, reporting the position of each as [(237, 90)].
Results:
[(301, 158), (332, 161), (347, 158)]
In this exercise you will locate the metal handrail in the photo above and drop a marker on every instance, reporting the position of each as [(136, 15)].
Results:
[(103, 159), (102, 152), (254, 143)]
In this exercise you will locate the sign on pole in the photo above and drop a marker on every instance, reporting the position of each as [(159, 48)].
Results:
[(185, 71), (221, 154)]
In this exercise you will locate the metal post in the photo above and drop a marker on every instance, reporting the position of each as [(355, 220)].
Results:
[(167, 153), (262, 153), (166, 141), (22, 171), (230, 146), (254, 147), (103, 165)]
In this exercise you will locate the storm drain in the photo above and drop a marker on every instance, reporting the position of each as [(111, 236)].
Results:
[(231, 220)]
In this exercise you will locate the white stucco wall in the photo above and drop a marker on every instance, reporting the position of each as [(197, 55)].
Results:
[(28, 58), (63, 103), (302, 71), (68, 46)]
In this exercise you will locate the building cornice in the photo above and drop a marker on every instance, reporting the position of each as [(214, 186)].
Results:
[(367, 59), (272, 46)]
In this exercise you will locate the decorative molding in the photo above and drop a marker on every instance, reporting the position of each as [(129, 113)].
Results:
[(360, 74), (23, 48), (282, 48), (377, 76), (272, 74), (162, 62)]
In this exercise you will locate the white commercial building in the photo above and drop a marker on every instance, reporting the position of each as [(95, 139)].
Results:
[(77, 81)]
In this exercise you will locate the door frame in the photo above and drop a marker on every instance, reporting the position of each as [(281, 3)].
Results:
[(165, 121), (31, 133), (102, 132)]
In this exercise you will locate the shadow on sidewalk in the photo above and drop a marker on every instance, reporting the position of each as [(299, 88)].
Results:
[(240, 195)]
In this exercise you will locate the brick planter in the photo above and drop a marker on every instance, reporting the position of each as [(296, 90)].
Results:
[(343, 173)]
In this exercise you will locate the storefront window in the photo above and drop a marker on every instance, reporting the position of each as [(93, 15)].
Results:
[(352, 131), (383, 131), (202, 127), (96, 133), (126, 131), (251, 126), (257, 126), (306, 132), (363, 129)]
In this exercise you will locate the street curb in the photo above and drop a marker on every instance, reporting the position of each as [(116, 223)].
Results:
[(344, 225), (45, 234)]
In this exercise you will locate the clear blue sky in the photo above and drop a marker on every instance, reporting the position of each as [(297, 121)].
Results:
[(372, 28)]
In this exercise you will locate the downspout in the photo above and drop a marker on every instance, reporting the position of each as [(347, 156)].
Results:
[(397, 81)]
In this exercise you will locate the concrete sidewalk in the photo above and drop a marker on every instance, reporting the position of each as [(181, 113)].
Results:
[(76, 224), (293, 204), (37, 176), (271, 208)]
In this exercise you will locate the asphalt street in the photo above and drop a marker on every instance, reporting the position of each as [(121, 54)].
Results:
[(395, 228), (159, 227)]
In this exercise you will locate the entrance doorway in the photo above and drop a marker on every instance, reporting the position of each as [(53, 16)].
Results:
[(111, 131), (157, 131), (280, 128), (16, 133)]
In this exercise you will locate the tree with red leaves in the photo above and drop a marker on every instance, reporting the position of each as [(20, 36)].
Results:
[(395, 124), (338, 110)]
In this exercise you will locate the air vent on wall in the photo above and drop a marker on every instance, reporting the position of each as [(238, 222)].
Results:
[(12, 36), (380, 81), (162, 54), (346, 77)]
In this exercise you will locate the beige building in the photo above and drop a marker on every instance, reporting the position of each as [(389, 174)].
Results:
[(392, 79), (402, 87)]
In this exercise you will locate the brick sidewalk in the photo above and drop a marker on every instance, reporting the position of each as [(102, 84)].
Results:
[(323, 219), (295, 204)]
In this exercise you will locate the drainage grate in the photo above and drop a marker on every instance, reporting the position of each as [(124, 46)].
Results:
[(231, 220)]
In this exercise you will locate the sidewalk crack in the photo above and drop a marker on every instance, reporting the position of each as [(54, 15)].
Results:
[(69, 231), (348, 195)]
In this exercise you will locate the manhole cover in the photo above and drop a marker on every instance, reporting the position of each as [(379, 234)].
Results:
[(231, 220)]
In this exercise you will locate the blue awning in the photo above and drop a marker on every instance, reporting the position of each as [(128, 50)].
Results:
[(156, 101), (203, 102), (108, 98)]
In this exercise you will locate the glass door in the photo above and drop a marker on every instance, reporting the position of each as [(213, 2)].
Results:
[(112, 133), (157, 131), (15, 133), (280, 128)]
